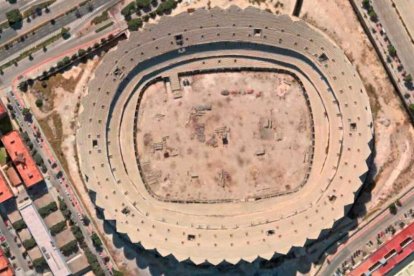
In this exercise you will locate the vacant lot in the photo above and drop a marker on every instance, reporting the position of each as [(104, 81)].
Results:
[(231, 136)]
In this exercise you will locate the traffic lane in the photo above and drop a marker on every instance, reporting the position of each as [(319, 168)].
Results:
[(49, 28), (60, 49), (13, 246), (56, 9), (396, 32)]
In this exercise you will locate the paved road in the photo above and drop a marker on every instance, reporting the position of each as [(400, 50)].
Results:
[(53, 51), (47, 29), (57, 8), (368, 234), (14, 249), (41, 147), (396, 33)]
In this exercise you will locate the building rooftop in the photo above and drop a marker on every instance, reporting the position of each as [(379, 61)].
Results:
[(22, 159), (5, 192), (13, 176)]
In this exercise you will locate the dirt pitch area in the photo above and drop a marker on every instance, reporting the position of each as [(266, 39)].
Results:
[(231, 136)]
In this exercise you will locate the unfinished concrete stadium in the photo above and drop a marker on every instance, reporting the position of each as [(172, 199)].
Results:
[(225, 135)]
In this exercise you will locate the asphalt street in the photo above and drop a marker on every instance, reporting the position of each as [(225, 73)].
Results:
[(40, 56), (22, 263), (49, 28), (57, 8), (53, 179), (396, 33), (367, 235)]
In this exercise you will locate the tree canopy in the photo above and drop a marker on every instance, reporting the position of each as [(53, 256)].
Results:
[(134, 24), (14, 16)]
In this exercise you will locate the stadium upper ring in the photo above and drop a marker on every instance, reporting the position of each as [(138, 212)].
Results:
[(232, 39)]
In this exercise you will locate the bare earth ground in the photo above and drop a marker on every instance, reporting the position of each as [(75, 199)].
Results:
[(254, 141), (393, 131)]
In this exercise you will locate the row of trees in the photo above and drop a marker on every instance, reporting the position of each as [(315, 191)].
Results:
[(165, 7), (81, 55), (57, 228), (70, 248), (366, 4), (19, 225), (29, 243), (92, 260), (48, 209)]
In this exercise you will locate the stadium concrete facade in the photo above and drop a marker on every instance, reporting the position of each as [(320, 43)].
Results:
[(220, 40)]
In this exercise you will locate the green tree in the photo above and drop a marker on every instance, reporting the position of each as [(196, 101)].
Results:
[(23, 86), (166, 7), (408, 78), (373, 15), (48, 209), (57, 228), (77, 233), (392, 208), (134, 24), (81, 52), (143, 3), (39, 103), (392, 51), (366, 4), (19, 225), (96, 240), (65, 33), (70, 248), (86, 220), (40, 264), (26, 112), (29, 244), (14, 16), (129, 9)]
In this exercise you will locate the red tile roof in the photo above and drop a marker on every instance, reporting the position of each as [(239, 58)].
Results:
[(5, 192), (22, 159), (389, 255)]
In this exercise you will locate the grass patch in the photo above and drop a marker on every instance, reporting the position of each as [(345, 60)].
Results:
[(100, 29), (373, 100), (3, 156), (100, 18)]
